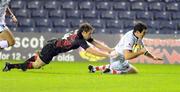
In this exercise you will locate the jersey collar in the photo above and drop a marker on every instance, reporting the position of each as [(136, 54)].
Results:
[(135, 35), (80, 35)]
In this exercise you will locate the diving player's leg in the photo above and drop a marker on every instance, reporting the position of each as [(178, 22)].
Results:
[(35, 62), (28, 64)]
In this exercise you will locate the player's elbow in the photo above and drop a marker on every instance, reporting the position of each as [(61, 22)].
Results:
[(129, 56)]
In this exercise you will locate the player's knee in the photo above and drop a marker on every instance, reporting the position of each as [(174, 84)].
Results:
[(36, 66), (135, 72), (12, 42)]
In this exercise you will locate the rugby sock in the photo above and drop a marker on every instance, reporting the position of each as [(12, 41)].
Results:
[(30, 65), (11, 66), (100, 68), (3, 44), (27, 64)]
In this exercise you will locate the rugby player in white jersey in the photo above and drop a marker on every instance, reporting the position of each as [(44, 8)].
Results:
[(129, 47), (6, 36)]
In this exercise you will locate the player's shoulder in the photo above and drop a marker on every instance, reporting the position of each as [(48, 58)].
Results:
[(129, 35)]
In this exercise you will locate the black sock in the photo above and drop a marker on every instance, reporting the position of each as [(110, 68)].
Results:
[(18, 66), (22, 65)]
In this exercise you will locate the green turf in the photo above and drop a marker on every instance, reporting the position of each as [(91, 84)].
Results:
[(74, 77)]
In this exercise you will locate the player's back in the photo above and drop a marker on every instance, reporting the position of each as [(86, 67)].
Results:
[(126, 42)]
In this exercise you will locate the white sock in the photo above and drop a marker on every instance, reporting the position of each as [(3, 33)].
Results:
[(101, 68), (3, 44)]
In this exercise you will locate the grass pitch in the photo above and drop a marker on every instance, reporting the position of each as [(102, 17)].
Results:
[(74, 77)]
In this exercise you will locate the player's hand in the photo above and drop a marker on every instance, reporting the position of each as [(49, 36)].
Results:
[(143, 50), (14, 20), (113, 54)]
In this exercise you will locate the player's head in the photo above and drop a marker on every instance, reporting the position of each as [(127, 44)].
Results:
[(140, 29), (86, 30)]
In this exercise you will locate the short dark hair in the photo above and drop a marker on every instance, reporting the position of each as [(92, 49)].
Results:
[(139, 26), (85, 27)]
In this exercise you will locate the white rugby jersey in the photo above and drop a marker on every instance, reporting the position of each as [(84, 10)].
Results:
[(127, 42), (3, 6)]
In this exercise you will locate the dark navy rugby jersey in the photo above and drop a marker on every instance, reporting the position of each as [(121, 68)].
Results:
[(72, 41)]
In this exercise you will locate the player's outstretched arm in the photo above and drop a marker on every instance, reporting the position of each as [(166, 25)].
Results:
[(101, 46), (9, 12), (97, 52), (129, 54), (151, 56)]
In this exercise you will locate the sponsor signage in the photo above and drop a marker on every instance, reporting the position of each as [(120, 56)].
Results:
[(27, 43)]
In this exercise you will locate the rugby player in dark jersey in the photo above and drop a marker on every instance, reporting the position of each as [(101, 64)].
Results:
[(69, 42)]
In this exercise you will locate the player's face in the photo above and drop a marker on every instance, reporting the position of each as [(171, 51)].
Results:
[(87, 35), (142, 34)]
